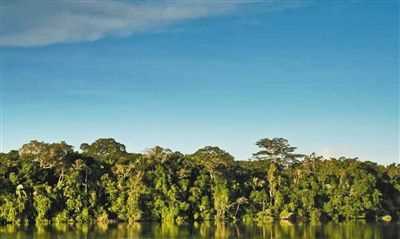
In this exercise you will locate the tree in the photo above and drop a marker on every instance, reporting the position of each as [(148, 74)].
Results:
[(277, 150), (106, 150), (56, 156), (42, 202), (221, 198), (214, 159)]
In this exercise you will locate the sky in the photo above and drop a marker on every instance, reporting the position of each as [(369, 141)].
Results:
[(186, 74)]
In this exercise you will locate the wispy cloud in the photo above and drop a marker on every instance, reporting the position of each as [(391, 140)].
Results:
[(43, 22)]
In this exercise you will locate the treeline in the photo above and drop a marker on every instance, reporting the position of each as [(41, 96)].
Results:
[(101, 183)]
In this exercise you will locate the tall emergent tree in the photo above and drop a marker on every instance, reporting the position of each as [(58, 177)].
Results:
[(277, 150)]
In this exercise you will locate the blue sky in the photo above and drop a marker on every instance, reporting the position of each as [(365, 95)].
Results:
[(323, 74)]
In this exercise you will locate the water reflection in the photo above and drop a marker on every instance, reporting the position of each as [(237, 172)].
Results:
[(347, 230)]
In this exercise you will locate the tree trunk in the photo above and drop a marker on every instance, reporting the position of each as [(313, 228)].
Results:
[(60, 179), (237, 209)]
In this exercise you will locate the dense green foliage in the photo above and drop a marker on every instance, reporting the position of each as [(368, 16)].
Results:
[(51, 183)]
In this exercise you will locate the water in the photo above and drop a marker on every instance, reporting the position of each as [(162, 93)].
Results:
[(348, 230)]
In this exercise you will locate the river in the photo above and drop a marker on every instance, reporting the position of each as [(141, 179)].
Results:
[(284, 230)]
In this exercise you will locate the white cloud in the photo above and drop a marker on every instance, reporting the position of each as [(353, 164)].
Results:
[(43, 22)]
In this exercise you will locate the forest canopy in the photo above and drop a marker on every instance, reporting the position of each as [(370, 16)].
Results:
[(101, 182)]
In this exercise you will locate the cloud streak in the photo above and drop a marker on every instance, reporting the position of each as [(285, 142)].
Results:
[(25, 23)]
